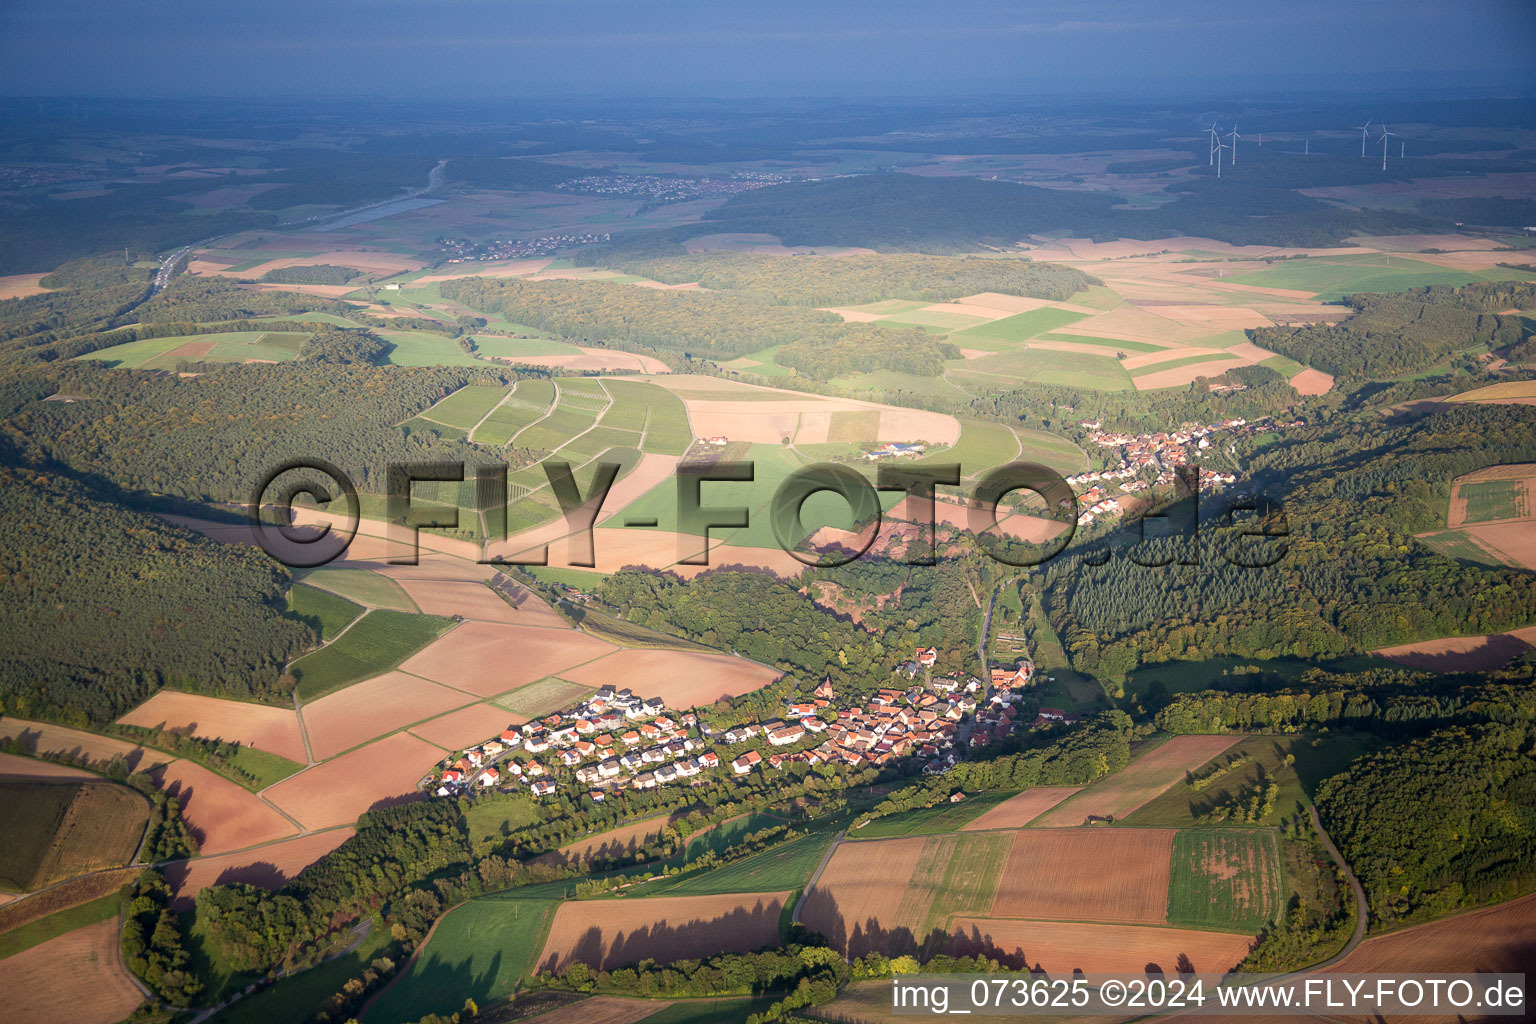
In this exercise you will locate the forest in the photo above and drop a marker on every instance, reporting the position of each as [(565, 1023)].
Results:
[(101, 605), (856, 278), (1406, 332), (1352, 578), (694, 324)]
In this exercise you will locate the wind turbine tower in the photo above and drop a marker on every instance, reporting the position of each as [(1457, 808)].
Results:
[(1219, 148), (1385, 135), (1363, 129), (1234, 137), (1215, 141)]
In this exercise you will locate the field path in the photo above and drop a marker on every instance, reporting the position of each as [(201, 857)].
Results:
[(1362, 909), (794, 917), (504, 399), (309, 752)]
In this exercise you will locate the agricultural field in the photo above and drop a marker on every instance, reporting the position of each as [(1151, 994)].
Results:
[(543, 697), (333, 793), (361, 586), (1496, 499), (475, 657), (256, 727), (350, 717), (40, 980), (1332, 277), (1225, 880), (226, 347), (939, 819), (783, 868), (57, 829), (1148, 775), (377, 643), (466, 406), (480, 951), (684, 679), (611, 933), (268, 866), (530, 399), (1021, 808), (327, 613), (419, 348)]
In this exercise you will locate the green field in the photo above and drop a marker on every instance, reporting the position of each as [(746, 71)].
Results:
[(530, 400), (490, 820), (377, 643), (783, 867), (1333, 277), (419, 348), (940, 819), (1283, 365), (1457, 545), (1488, 500), (887, 381), (541, 698), (711, 1011), (1225, 880), (362, 586), (327, 613), (479, 951), (264, 767), (1003, 335), (228, 347), (465, 407)]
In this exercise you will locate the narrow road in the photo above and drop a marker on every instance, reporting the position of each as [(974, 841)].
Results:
[(1362, 908)]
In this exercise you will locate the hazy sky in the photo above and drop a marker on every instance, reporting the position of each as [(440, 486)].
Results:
[(510, 48)]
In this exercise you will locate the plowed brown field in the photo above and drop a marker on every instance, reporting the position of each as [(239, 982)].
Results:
[(1063, 947), (77, 976), (486, 658), (384, 772), (252, 725), (610, 933), (684, 679), (351, 717), (1018, 811), (268, 866), (225, 816), (1118, 875)]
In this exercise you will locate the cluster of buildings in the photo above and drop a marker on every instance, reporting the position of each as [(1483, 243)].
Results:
[(615, 739), (462, 250), (894, 450), (669, 189), (1147, 460)]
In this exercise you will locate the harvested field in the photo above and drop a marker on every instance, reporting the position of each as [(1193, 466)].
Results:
[(80, 970), (466, 726), (222, 814), (486, 659), (683, 679), (1501, 938), (15, 766), (1515, 392), (605, 1010), (1144, 778), (1061, 947), (381, 774), (1312, 382), (1463, 653), (1018, 811), (352, 717), (251, 725), (1515, 542), (451, 597), (1118, 875), (55, 829), (19, 286), (268, 866), (652, 470), (362, 586), (610, 933), (47, 738), (860, 900)]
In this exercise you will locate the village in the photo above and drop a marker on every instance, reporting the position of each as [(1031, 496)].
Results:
[(667, 188), (616, 739), (463, 250), (1153, 460)]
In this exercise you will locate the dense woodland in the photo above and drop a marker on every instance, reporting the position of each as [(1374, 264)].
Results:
[(103, 605), (856, 278), (1352, 577), (1402, 333)]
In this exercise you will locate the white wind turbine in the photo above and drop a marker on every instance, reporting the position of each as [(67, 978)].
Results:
[(1215, 141), (1384, 136), (1363, 129), (1219, 148), (1234, 137)]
